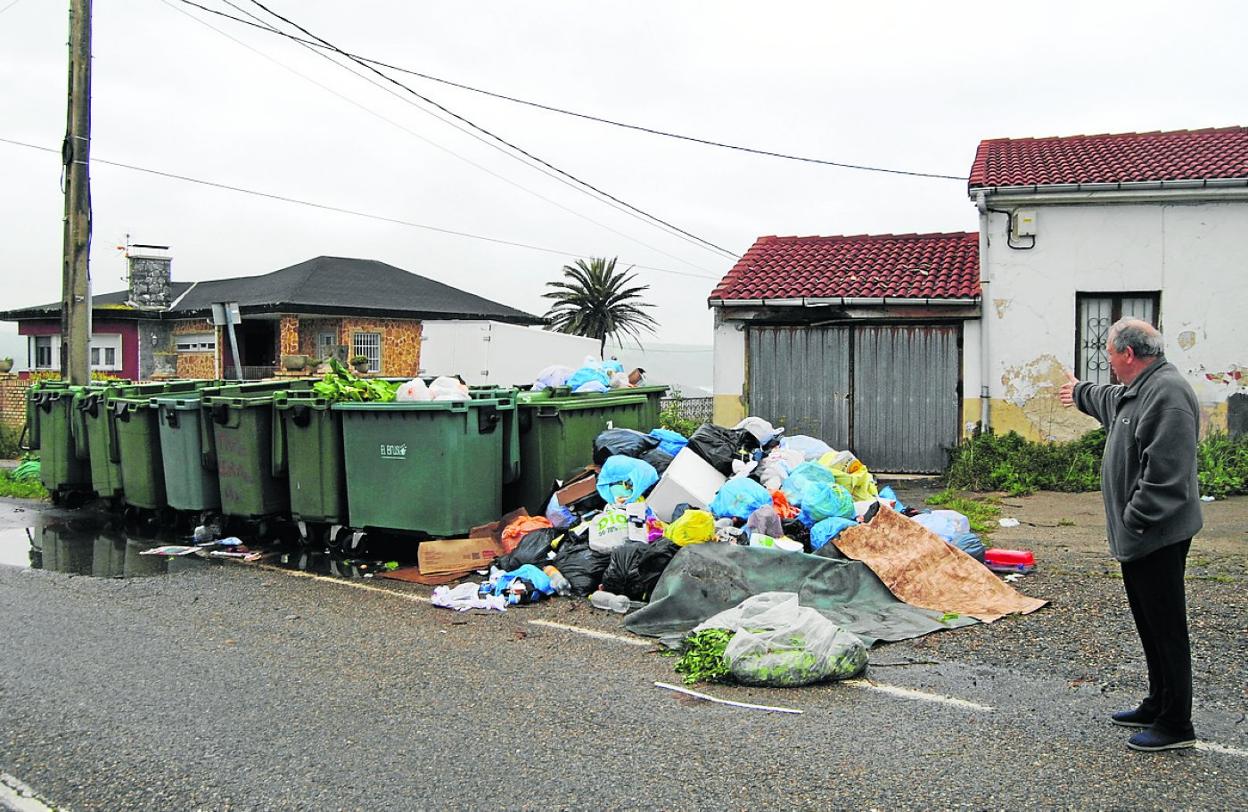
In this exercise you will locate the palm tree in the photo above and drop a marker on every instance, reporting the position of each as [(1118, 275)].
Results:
[(593, 299)]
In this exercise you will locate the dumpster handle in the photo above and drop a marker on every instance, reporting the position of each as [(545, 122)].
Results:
[(114, 445), (170, 415), (21, 438), (78, 431), (207, 442), (277, 446), (32, 419), (511, 443)]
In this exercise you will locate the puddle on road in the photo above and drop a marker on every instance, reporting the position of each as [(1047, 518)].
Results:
[(104, 547), (94, 548)]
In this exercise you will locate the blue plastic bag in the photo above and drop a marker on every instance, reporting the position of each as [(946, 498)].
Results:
[(540, 581), (811, 447), (670, 442), (970, 544), (827, 529), (803, 476), (887, 492), (739, 498), (821, 501), (589, 374), (625, 479)]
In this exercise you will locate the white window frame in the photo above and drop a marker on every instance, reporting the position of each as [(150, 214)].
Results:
[(32, 352), (101, 343), (196, 342), (370, 348)]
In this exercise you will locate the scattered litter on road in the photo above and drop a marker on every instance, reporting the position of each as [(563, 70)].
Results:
[(1009, 522)]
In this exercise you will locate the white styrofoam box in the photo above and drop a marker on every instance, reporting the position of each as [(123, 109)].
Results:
[(688, 478)]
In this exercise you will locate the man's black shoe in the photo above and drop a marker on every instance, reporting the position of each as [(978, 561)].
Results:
[(1152, 740), (1133, 718)]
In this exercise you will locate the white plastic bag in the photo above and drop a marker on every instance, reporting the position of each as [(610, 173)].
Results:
[(551, 376), (948, 524), (447, 388), (608, 530), (779, 643), (414, 390), (762, 430)]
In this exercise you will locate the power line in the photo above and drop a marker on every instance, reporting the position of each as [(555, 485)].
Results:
[(495, 137), (415, 134), (9, 6), (343, 210), (598, 119)]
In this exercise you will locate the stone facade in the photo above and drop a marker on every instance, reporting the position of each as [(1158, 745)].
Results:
[(288, 341), (197, 364), (400, 343), (310, 331), (150, 282)]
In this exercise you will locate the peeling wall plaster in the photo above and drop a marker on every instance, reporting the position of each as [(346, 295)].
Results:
[(1001, 305)]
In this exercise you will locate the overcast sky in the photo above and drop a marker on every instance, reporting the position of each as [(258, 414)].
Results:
[(897, 85)]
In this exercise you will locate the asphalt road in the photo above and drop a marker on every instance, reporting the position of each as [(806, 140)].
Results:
[(228, 687)]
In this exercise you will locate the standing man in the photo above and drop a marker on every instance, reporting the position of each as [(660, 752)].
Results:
[(1152, 510)]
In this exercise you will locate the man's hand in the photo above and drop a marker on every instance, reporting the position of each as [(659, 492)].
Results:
[(1067, 393)]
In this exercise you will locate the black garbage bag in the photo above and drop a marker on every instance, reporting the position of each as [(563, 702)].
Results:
[(626, 442), (582, 566), (797, 531), (635, 567), (720, 446), (532, 549), (659, 458)]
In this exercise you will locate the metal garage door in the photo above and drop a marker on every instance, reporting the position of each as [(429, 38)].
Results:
[(888, 392)]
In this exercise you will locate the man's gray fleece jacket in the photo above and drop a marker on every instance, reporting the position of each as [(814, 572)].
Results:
[(1148, 473)]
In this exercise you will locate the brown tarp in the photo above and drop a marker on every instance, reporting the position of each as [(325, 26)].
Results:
[(920, 568)]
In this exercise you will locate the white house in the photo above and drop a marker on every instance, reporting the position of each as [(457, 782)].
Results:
[(896, 345), (1076, 232)]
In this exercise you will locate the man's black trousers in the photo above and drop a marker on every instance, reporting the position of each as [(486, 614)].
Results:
[(1159, 604)]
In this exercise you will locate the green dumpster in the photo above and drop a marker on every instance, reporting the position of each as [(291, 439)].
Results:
[(307, 447), (93, 434), (63, 466), (136, 439), (557, 431), (185, 438), (435, 468), (241, 417)]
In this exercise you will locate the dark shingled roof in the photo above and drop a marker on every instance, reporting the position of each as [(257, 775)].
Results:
[(328, 286)]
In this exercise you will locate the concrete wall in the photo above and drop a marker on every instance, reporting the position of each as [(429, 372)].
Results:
[(1194, 254), (729, 371)]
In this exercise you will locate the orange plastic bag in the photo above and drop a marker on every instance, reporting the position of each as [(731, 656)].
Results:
[(520, 528), (783, 508)]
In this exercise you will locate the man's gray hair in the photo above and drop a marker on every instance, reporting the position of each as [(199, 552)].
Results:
[(1142, 337)]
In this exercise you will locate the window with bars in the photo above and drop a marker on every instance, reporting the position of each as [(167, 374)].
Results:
[(369, 346), (1095, 314)]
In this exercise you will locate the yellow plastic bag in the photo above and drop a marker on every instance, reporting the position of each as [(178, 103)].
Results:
[(850, 474), (693, 527)]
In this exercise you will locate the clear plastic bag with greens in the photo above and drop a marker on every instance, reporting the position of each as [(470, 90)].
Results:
[(779, 643)]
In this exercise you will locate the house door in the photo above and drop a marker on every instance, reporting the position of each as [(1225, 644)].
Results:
[(890, 393)]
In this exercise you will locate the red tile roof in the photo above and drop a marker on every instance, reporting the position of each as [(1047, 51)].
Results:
[(1122, 158), (901, 266)]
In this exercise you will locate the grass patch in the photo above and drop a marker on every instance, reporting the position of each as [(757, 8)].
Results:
[(981, 511), (1065, 523), (20, 490)]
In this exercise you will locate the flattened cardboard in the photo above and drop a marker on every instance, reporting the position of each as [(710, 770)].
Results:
[(456, 555), (576, 491)]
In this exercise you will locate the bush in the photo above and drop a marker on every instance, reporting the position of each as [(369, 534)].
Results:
[(992, 462), (670, 417), (20, 490), (9, 449), (1222, 465)]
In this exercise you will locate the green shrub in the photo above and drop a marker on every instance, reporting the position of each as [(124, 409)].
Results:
[(995, 462), (1222, 463), (9, 436), (982, 512), (670, 418), (20, 490), (992, 462)]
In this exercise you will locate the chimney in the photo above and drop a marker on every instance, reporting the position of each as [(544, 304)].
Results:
[(150, 278)]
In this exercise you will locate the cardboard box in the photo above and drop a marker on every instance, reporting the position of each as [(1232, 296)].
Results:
[(456, 555), (576, 491)]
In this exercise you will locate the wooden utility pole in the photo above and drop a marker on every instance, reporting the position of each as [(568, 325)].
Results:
[(75, 154)]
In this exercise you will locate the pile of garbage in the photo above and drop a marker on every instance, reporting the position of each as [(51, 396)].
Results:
[(610, 531), (593, 375)]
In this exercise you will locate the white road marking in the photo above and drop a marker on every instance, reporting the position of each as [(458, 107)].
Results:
[(718, 701), (16, 795), (910, 693), (1221, 748), (407, 596), (632, 641)]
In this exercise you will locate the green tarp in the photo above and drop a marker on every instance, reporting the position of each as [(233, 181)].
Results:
[(704, 579)]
